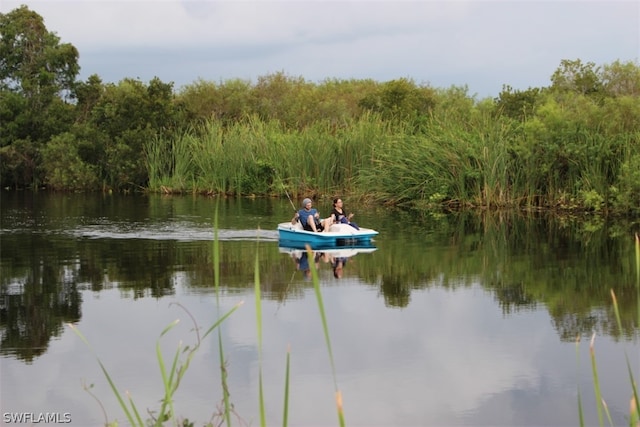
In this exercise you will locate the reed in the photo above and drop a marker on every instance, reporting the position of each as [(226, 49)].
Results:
[(171, 378), (251, 156), (209, 166), (601, 406), (285, 412), (157, 162), (182, 159), (461, 154), (258, 298), (216, 279), (325, 328)]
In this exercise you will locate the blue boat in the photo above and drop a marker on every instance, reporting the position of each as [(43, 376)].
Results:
[(293, 235)]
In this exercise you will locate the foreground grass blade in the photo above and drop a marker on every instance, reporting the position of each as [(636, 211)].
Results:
[(580, 410), (109, 380), (216, 255), (634, 407), (635, 402), (167, 381), (223, 381), (637, 260), (285, 415), (323, 317), (222, 319), (134, 409), (258, 296), (638, 278), (596, 383), (172, 377), (216, 281)]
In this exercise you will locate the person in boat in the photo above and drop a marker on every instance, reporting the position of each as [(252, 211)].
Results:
[(340, 215), (310, 218)]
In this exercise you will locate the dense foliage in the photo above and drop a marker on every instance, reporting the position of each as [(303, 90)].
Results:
[(572, 145)]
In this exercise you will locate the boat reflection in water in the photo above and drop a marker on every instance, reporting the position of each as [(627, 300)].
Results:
[(335, 256)]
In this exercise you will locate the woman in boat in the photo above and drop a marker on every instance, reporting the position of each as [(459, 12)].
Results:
[(340, 215), (310, 218)]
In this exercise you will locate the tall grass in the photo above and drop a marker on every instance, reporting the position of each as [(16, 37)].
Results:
[(601, 406), (258, 298), (325, 328), (460, 165), (171, 378), (158, 162), (257, 157), (460, 154)]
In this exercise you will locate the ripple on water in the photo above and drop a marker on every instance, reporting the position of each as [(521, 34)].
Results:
[(179, 232)]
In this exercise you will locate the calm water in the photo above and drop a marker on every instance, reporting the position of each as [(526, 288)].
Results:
[(451, 320)]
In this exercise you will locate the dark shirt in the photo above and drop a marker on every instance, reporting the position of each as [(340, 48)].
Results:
[(339, 216)]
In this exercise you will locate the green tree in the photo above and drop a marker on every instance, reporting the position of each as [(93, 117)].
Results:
[(128, 116), (517, 104), (227, 101), (88, 94), (65, 168), (621, 79), (37, 75), (282, 98), (400, 99), (339, 100), (574, 76), (32, 60)]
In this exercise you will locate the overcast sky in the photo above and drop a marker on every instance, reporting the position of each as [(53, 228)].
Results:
[(481, 44)]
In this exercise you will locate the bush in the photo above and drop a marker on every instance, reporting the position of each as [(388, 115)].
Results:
[(65, 169)]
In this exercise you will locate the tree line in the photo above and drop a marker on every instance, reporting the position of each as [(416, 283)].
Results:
[(572, 145)]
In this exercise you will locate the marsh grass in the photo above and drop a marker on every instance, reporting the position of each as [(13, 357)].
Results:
[(173, 370), (459, 154), (258, 298), (601, 405), (170, 378), (252, 156), (325, 329)]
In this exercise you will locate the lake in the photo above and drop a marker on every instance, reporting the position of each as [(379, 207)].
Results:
[(451, 319)]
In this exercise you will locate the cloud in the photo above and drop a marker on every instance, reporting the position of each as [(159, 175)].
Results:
[(483, 44)]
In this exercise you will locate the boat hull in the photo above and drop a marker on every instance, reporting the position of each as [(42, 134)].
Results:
[(293, 235)]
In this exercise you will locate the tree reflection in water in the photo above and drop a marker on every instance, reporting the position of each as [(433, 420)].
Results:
[(566, 265)]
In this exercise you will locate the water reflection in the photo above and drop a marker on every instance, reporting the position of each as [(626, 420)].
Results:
[(336, 257), (33, 309), (55, 246)]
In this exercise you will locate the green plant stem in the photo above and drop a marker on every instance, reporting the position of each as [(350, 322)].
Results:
[(325, 328)]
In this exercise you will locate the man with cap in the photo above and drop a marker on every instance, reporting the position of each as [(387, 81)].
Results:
[(310, 218)]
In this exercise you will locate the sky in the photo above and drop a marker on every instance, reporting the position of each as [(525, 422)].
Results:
[(479, 44)]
